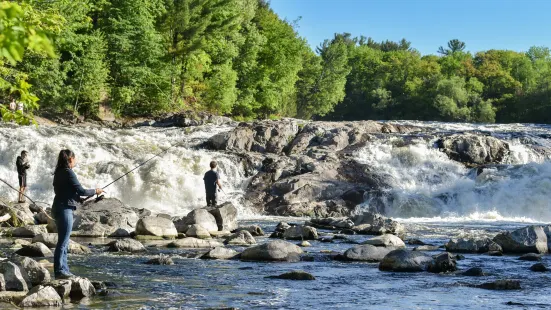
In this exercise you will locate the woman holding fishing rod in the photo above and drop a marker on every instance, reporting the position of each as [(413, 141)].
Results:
[(68, 191)]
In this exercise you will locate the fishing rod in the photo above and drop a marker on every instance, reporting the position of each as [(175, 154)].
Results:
[(34, 202), (100, 197)]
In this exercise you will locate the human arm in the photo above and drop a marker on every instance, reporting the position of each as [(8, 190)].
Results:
[(81, 191), (218, 181)]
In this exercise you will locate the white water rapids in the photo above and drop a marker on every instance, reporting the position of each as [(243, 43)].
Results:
[(425, 184)]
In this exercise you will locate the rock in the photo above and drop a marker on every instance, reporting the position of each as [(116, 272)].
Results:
[(20, 214), (241, 238), (190, 242), (531, 239), (62, 287), (29, 231), (81, 287), (277, 250), (539, 267), (41, 218), (474, 150), (197, 231), (21, 242), (305, 244), (365, 252), (405, 260), (332, 223), (160, 260), (282, 227), (163, 215), (126, 245), (294, 275), (121, 233), (427, 248), (386, 240), (501, 285), (255, 230), (226, 216), (156, 226), (301, 232), (474, 272), (372, 223), (2, 284), (442, 263), (41, 296), (495, 253), (103, 218), (472, 246), (36, 249), (416, 242), (142, 212), (531, 257), (220, 253), (197, 216), (32, 269), (50, 240), (13, 277), (219, 234)]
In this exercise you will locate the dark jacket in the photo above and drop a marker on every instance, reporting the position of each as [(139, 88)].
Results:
[(22, 166), (68, 190)]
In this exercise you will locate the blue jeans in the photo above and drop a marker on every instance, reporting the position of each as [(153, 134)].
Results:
[(64, 221)]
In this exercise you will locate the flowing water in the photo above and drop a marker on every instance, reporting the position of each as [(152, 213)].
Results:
[(435, 198)]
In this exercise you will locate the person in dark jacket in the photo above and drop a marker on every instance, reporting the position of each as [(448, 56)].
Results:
[(22, 165), (211, 179), (68, 192)]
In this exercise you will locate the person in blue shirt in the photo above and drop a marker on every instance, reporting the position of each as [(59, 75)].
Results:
[(211, 179), (68, 192)]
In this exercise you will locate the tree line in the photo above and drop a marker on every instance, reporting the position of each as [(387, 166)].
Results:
[(239, 58)]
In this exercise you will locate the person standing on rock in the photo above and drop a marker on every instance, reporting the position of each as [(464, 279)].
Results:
[(68, 191), (22, 164), (212, 179)]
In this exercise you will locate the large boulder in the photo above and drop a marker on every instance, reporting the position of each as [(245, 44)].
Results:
[(32, 269), (241, 238), (386, 240), (405, 260), (198, 231), (365, 252), (197, 216), (301, 232), (19, 212), (277, 250), (29, 231), (156, 226), (375, 224), (472, 246), (126, 245), (531, 239), (102, 218), (62, 287), (81, 287), (194, 243), (226, 216), (42, 296), (444, 262), (36, 249), (220, 253), (50, 240), (474, 150), (13, 277)]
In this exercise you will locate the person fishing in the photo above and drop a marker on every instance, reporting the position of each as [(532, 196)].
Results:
[(68, 193), (22, 164), (211, 179)]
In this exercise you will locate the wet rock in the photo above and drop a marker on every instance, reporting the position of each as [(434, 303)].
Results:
[(220, 253), (81, 288), (160, 260), (427, 248), (2, 283), (62, 287), (501, 285), (474, 150), (197, 231), (13, 277), (103, 218), (255, 230), (126, 245), (41, 218), (301, 232), (539, 267), (156, 226), (472, 246), (474, 272), (375, 224), (277, 250), (387, 240), (416, 242), (32, 270), (21, 242), (282, 227), (405, 261), (531, 239), (41, 296), (19, 212), (365, 252), (495, 253), (190, 242), (332, 223), (241, 238), (305, 244), (294, 275), (531, 257), (29, 231), (50, 240), (442, 263), (121, 233), (197, 216), (226, 216), (219, 234), (36, 249)]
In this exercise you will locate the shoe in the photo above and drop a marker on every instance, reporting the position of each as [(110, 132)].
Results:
[(65, 276)]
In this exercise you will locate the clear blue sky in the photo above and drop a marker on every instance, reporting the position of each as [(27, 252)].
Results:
[(427, 24)]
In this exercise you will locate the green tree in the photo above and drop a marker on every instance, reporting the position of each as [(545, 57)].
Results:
[(454, 46)]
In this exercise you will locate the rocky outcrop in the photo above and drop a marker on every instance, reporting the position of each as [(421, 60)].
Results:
[(365, 252), (531, 239), (226, 216), (474, 150), (126, 245), (472, 246), (277, 250), (156, 226), (103, 218), (405, 261)]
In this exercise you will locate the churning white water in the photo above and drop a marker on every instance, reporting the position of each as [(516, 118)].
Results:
[(172, 183)]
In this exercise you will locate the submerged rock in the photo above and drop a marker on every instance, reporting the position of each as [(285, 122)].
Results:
[(190, 242), (220, 253), (365, 252), (301, 232), (474, 272), (539, 267), (531, 239), (126, 245), (36, 249), (160, 260), (472, 246), (277, 250), (386, 240), (295, 275), (41, 296), (405, 260), (305, 244), (501, 285), (156, 226), (531, 257)]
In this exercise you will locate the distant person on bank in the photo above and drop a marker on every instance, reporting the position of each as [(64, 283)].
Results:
[(212, 179), (13, 105), (22, 164), (68, 193)]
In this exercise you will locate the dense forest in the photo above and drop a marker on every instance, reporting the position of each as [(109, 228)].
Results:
[(239, 58)]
